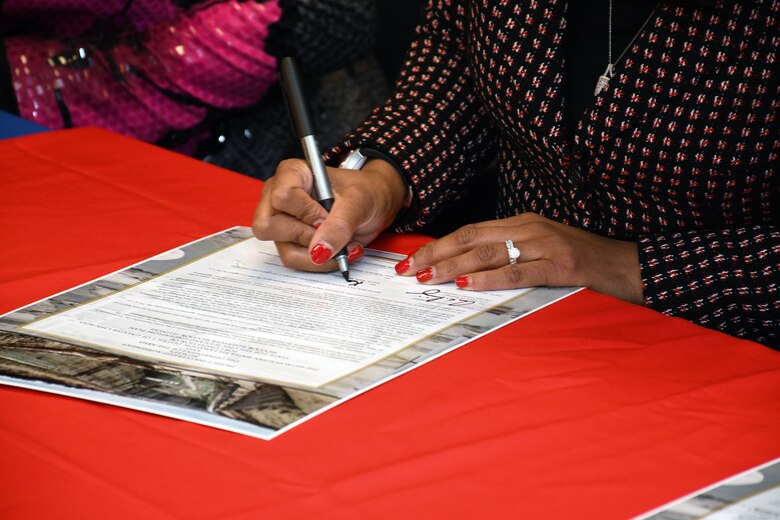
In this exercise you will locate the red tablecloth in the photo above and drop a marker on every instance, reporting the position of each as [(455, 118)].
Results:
[(590, 408)]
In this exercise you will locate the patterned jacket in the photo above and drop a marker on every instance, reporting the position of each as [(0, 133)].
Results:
[(679, 153)]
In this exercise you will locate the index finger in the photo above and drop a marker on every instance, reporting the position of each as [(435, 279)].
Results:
[(286, 211)]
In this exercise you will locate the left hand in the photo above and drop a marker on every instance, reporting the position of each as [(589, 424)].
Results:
[(551, 254)]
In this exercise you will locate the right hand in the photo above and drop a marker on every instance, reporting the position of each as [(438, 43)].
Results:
[(305, 234)]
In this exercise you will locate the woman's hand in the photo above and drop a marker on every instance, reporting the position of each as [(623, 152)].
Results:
[(551, 254), (306, 235)]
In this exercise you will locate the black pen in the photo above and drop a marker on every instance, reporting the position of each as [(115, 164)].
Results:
[(303, 126)]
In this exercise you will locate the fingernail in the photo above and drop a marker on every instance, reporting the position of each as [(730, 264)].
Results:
[(320, 254), (355, 254), (425, 274), (463, 281), (402, 266)]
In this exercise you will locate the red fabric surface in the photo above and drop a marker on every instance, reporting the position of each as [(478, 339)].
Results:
[(590, 408)]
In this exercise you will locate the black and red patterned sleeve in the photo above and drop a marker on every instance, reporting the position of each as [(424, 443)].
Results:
[(726, 279), (433, 126)]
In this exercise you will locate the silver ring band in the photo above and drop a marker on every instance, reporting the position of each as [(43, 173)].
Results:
[(513, 252)]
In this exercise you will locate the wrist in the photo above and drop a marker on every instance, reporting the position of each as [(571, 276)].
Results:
[(629, 270), (392, 180), (387, 177)]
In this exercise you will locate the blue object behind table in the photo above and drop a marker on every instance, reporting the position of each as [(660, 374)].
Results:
[(15, 126)]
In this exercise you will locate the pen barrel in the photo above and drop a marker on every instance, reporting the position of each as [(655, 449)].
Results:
[(341, 256), (313, 158), (303, 126), (297, 106)]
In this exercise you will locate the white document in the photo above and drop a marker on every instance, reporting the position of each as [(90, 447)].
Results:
[(751, 495), (763, 506), (238, 311)]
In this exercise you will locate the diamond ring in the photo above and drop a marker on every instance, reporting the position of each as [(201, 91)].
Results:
[(513, 252)]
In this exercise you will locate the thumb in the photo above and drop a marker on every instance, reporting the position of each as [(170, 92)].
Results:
[(337, 230)]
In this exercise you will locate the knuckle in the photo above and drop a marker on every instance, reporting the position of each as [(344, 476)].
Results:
[(530, 217), (466, 235), (423, 255), (311, 213), (557, 243), (301, 236), (280, 197), (487, 254), (447, 268), (261, 229), (553, 246), (541, 228), (288, 164), (514, 275)]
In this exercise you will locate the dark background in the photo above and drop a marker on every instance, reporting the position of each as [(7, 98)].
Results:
[(395, 32)]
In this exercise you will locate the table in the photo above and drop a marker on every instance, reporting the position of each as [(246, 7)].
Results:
[(590, 408)]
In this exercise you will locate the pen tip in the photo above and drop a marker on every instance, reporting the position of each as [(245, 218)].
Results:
[(345, 274)]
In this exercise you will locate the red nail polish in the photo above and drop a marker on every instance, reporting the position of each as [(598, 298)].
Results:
[(320, 254), (463, 281), (355, 254), (402, 266), (425, 274)]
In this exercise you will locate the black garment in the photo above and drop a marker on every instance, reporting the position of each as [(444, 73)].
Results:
[(256, 140), (679, 154), (7, 97), (399, 19), (587, 47)]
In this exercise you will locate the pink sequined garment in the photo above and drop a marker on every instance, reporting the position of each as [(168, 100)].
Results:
[(158, 74)]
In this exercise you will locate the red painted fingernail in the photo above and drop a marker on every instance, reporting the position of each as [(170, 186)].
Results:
[(425, 274), (463, 281), (402, 266), (355, 254), (320, 254)]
